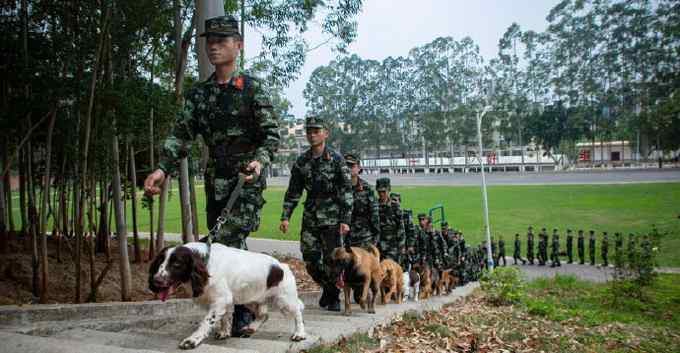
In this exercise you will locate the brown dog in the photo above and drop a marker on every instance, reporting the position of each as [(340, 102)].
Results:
[(425, 279), (393, 281), (447, 282), (355, 267)]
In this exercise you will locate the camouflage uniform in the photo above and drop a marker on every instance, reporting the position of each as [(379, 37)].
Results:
[(392, 237), (238, 124), (604, 249), (329, 202), (530, 245), (618, 250), (581, 247), (570, 246), (555, 250), (423, 245), (409, 229), (365, 226), (542, 247), (501, 252), (591, 247), (517, 255)]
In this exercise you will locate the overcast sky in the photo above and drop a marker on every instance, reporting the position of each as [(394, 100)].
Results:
[(393, 27)]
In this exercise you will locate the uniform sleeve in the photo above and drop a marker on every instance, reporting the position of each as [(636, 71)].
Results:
[(178, 143), (401, 235), (375, 215), (294, 192), (268, 125), (345, 195)]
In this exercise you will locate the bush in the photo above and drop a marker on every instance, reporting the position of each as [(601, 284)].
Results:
[(503, 286)]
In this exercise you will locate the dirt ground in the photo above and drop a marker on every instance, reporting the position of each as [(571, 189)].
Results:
[(16, 275)]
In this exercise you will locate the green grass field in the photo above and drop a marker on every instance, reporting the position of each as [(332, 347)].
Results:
[(613, 208)]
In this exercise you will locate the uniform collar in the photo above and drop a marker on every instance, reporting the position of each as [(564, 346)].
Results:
[(235, 80)]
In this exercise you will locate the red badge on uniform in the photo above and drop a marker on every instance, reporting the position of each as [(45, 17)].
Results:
[(238, 83)]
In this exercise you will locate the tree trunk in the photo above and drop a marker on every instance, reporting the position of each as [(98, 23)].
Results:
[(194, 209), (133, 200), (43, 212), (152, 164), (184, 191), (4, 234), (162, 201), (121, 227), (32, 217), (103, 233), (22, 192), (8, 188)]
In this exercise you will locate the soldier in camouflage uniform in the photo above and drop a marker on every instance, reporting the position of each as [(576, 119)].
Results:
[(233, 114), (530, 245), (542, 247), (392, 236), (618, 250), (555, 250), (581, 247), (365, 226), (324, 175), (570, 246), (591, 247), (517, 255), (451, 245), (410, 235), (407, 220), (501, 252), (494, 251), (604, 249), (423, 246)]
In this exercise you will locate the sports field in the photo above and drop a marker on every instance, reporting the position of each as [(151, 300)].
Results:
[(613, 208)]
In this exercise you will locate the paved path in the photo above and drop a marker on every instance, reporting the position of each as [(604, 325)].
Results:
[(631, 176), (158, 327)]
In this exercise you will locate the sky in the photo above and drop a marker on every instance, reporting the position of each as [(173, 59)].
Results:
[(393, 27)]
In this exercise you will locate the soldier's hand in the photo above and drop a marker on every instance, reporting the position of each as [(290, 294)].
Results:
[(256, 168), (284, 227), (344, 229), (153, 182)]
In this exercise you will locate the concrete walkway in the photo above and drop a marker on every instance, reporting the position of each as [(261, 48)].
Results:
[(158, 327)]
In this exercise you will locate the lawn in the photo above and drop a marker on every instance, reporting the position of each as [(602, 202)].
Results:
[(613, 208)]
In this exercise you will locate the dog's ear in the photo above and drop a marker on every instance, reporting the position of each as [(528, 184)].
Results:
[(199, 275), (153, 268)]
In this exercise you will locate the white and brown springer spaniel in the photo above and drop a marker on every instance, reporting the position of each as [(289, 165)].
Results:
[(232, 276)]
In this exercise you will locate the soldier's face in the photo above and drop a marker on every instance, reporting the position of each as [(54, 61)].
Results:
[(382, 195), (223, 50), (354, 168), (316, 136)]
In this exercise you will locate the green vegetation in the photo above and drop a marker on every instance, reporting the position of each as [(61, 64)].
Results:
[(614, 208), (567, 298), (503, 286)]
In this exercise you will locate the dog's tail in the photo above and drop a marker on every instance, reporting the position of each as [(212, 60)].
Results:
[(374, 251)]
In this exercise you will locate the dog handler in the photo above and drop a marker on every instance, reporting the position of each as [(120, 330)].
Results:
[(233, 114), (324, 174)]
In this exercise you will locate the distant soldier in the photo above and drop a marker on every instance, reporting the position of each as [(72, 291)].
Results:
[(604, 252), (591, 247), (555, 251), (451, 246), (618, 250), (517, 254), (530, 245), (494, 251), (485, 254), (409, 231), (439, 251), (501, 252), (581, 247), (570, 245), (365, 226), (392, 239), (632, 249), (461, 244), (542, 247)]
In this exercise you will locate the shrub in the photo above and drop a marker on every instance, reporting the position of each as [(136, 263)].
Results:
[(503, 286)]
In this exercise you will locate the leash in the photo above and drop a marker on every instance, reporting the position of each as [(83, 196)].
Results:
[(226, 211)]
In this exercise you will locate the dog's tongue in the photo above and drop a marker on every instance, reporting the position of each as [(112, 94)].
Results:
[(165, 293), (340, 282)]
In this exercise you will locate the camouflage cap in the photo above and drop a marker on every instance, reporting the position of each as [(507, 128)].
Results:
[(422, 215), (223, 26), (315, 122), (445, 224), (382, 184), (352, 159)]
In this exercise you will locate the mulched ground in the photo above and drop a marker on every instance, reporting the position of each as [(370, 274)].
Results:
[(16, 276)]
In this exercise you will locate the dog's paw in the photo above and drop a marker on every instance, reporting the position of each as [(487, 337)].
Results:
[(297, 337), (222, 334), (189, 343), (371, 311), (347, 313)]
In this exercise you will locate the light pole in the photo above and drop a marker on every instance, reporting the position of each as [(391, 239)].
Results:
[(485, 201)]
